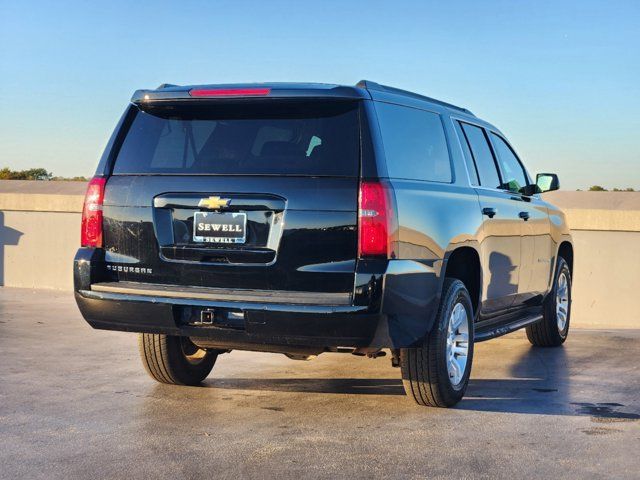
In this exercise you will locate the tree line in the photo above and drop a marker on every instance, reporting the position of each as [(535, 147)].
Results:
[(34, 174), (598, 188)]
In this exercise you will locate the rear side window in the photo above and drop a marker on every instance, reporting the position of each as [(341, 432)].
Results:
[(263, 138), (414, 143), (513, 174), (482, 156)]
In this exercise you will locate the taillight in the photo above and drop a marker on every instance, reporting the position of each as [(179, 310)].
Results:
[(229, 92), (377, 227), (91, 233)]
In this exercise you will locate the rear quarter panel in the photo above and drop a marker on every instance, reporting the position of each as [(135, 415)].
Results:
[(433, 219), (436, 218)]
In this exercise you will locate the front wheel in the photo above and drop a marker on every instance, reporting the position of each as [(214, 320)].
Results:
[(436, 374), (175, 360), (553, 329)]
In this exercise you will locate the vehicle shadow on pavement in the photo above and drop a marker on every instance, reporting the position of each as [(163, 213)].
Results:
[(540, 382), (355, 386), (514, 395), (536, 382)]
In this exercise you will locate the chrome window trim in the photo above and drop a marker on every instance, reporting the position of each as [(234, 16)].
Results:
[(485, 130), (488, 130)]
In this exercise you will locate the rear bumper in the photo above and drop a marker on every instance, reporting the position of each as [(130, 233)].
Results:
[(393, 306), (264, 324)]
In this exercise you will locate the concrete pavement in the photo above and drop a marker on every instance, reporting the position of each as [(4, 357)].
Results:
[(76, 403)]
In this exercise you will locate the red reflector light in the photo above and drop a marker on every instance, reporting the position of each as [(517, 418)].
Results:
[(229, 92), (376, 220), (91, 230)]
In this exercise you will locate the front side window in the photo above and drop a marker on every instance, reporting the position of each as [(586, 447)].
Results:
[(414, 143), (513, 176), (482, 156)]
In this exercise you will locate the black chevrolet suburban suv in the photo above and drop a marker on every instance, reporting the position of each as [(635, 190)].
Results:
[(311, 218)]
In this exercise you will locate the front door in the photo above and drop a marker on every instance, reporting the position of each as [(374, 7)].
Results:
[(535, 257), (536, 253)]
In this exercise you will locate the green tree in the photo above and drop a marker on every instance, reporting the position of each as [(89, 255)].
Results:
[(30, 174), (597, 188), (37, 174)]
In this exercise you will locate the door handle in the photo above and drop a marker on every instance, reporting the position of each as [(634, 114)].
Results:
[(489, 211), (524, 215)]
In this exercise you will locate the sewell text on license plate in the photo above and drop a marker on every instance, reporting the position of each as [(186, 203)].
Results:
[(214, 227)]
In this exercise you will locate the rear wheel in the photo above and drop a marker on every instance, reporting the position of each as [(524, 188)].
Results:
[(553, 329), (175, 360), (436, 374)]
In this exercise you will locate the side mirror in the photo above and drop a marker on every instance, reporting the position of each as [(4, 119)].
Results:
[(547, 182)]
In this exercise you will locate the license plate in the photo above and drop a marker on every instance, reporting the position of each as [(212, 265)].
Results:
[(214, 227)]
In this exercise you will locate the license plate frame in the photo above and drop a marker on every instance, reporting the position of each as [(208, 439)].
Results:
[(232, 220)]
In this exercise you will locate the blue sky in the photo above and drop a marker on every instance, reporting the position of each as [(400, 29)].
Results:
[(561, 79)]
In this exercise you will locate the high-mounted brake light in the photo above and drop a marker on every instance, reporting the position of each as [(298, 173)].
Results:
[(229, 92), (377, 225), (91, 232)]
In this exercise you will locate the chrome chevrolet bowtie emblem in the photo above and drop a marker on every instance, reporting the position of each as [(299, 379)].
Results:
[(214, 202)]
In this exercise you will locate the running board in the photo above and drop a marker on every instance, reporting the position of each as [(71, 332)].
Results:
[(497, 330)]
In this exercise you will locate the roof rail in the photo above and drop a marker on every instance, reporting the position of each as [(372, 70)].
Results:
[(166, 85), (369, 85)]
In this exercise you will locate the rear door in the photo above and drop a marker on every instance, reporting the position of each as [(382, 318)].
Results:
[(253, 194), (500, 244)]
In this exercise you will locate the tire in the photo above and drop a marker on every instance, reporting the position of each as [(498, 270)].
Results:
[(425, 370), (552, 331), (175, 360)]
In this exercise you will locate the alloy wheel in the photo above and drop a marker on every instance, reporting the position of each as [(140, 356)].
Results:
[(562, 301), (457, 343)]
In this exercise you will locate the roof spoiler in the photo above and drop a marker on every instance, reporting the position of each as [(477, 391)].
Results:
[(168, 92)]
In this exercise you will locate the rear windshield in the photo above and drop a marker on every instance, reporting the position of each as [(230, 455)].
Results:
[(266, 138)]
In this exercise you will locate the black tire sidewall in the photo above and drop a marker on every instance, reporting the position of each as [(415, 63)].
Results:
[(186, 372)]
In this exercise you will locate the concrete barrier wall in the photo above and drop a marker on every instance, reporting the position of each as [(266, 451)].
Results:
[(40, 222), (39, 232), (606, 234)]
